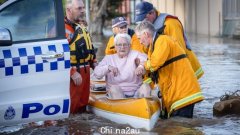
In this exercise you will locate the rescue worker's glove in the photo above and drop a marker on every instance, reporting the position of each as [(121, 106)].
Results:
[(77, 78), (113, 70)]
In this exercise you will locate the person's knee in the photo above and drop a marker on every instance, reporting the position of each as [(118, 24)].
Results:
[(115, 92), (146, 86)]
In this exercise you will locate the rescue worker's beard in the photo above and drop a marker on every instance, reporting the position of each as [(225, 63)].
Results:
[(146, 19), (80, 18), (146, 45), (124, 31), (146, 42), (115, 31)]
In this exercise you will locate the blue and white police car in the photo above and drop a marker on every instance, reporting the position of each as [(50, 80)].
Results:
[(34, 62)]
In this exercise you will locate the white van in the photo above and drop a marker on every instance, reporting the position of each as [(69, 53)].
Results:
[(34, 62)]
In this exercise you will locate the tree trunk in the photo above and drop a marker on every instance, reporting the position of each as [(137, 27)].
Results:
[(98, 13)]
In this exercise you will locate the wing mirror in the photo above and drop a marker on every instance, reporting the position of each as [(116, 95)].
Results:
[(5, 37)]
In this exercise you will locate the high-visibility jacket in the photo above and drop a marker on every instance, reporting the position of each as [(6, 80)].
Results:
[(135, 44), (81, 48), (177, 82), (174, 29), (82, 56)]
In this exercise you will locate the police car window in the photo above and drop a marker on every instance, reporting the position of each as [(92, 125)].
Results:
[(30, 19)]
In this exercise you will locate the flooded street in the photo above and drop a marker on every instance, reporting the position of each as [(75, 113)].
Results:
[(220, 59)]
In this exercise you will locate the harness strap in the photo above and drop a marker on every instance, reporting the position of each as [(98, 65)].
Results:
[(173, 60), (154, 75)]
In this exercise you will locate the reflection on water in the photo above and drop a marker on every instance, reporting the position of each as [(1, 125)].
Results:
[(220, 59)]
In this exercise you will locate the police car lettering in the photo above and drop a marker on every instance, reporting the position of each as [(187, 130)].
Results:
[(53, 109)]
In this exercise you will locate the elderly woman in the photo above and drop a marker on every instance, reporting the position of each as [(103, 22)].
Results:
[(120, 25), (123, 76)]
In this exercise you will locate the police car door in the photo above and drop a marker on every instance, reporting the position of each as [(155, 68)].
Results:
[(34, 69)]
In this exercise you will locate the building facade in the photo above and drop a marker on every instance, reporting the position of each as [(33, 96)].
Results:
[(206, 17)]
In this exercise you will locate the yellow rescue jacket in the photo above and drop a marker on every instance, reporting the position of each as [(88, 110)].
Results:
[(135, 44), (174, 29), (81, 48), (177, 82)]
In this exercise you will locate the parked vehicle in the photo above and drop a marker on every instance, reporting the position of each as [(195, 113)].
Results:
[(34, 62)]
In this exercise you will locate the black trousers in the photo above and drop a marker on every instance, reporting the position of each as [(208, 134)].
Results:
[(186, 112)]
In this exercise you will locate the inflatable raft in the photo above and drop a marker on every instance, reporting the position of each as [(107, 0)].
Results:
[(137, 112)]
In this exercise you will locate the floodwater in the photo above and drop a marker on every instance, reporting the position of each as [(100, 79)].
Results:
[(220, 59)]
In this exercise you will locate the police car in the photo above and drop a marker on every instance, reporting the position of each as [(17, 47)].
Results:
[(34, 62)]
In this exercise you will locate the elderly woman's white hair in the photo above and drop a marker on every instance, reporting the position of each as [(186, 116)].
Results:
[(122, 35)]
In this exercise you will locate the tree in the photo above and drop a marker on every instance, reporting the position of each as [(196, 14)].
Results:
[(2, 1), (102, 10), (98, 11)]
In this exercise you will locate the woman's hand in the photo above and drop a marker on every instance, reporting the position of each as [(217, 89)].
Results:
[(140, 70), (77, 78), (114, 70)]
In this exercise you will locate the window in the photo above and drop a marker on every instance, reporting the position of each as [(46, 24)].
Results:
[(30, 19)]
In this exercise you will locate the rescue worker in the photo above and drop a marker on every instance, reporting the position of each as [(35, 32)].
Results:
[(82, 55), (173, 28), (171, 70), (120, 25)]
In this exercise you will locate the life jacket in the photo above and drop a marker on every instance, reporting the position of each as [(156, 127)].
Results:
[(154, 75), (159, 23), (81, 48), (173, 93)]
